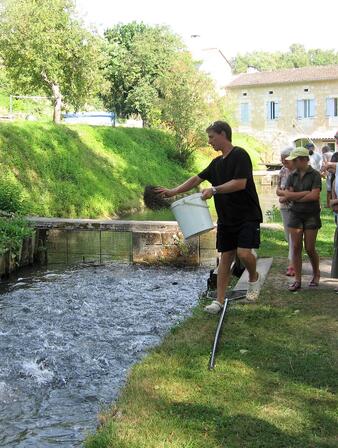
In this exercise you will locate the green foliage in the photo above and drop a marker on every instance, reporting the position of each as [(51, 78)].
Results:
[(152, 75), (84, 171), (189, 103), (11, 200), (12, 231), (138, 55), (297, 56), (47, 50)]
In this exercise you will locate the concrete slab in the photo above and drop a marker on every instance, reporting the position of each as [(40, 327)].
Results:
[(326, 282), (263, 267)]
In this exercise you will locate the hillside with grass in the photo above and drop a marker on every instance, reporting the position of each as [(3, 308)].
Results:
[(92, 172)]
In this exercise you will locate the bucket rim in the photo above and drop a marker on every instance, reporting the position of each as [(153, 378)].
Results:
[(182, 200)]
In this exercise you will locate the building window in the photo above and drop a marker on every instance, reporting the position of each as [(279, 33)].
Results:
[(305, 108), (332, 107), (272, 110), (245, 113)]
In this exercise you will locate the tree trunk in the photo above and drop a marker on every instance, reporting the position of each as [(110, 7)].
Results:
[(57, 103), (57, 98)]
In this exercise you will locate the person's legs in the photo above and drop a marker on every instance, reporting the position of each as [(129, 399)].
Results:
[(285, 212), (249, 260), (310, 236), (297, 246), (223, 274), (226, 243)]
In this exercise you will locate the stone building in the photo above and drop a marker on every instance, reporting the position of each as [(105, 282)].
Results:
[(290, 106)]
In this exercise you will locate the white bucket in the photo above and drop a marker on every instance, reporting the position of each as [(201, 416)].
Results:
[(192, 214)]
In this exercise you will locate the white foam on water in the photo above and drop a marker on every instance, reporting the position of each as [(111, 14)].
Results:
[(6, 393), (40, 374)]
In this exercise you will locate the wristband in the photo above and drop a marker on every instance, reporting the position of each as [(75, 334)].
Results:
[(214, 191)]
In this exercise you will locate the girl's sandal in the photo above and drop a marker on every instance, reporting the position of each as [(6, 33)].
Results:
[(313, 284), (295, 286)]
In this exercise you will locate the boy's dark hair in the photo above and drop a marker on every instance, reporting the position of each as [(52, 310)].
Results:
[(219, 127)]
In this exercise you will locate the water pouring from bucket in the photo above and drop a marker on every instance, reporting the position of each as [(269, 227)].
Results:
[(193, 215)]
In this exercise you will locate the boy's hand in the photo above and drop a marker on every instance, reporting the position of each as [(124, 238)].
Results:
[(207, 193), (165, 192)]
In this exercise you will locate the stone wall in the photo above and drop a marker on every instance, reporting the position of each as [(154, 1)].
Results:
[(72, 241)]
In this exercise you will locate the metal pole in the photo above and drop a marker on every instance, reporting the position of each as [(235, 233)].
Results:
[(217, 335), (234, 295)]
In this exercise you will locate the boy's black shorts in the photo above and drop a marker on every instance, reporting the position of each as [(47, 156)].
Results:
[(246, 236)]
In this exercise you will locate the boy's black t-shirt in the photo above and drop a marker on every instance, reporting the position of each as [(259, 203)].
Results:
[(241, 206)]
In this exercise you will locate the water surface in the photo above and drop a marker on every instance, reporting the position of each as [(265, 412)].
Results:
[(69, 338)]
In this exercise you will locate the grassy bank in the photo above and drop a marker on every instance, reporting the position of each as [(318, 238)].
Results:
[(274, 385), (91, 172)]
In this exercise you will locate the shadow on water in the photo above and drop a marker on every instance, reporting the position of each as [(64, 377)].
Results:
[(68, 338)]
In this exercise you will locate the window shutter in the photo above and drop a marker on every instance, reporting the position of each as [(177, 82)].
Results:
[(268, 108), (276, 109), (300, 109), (245, 113), (312, 108), (330, 107)]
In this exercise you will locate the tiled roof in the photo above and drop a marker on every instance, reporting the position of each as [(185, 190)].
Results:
[(287, 76)]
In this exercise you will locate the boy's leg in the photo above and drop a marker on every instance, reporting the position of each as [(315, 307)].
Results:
[(223, 273)]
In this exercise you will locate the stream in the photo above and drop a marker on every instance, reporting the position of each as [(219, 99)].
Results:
[(68, 339)]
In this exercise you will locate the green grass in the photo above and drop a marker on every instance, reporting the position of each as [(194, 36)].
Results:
[(276, 378), (87, 171), (274, 384)]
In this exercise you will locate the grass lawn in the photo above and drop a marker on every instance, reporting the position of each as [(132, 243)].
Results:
[(274, 385)]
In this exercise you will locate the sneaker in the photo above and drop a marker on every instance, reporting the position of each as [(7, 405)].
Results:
[(253, 291), (214, 308)]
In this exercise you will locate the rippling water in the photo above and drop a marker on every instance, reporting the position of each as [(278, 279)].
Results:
[(68, 339)]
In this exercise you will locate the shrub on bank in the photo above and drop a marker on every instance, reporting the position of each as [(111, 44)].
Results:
[(12, 232)]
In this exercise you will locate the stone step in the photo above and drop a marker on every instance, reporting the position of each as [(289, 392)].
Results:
[(263, 267)]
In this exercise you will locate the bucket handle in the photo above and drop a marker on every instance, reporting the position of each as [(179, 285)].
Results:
[(194, 204)]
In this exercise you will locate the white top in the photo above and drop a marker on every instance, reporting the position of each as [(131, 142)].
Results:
[(316, 161)]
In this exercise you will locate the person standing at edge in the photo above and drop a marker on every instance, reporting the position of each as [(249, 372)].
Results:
[(303, 190), (237, 206), (284, 204)]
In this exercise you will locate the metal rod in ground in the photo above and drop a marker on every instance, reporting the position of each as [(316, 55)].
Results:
[(234, 295), (217, 335)]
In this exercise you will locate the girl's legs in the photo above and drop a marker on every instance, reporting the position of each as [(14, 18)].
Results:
[(310, 247), (297, 246), (285, 212)]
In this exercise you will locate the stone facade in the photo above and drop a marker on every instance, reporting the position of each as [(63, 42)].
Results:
[(290, 94)]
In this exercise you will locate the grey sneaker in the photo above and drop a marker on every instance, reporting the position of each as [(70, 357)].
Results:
[(214, 308), (253, 291)]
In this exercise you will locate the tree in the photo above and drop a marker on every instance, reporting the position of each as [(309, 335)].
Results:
[(46, 50), (138, 55), (189, 103), (151, 74), (297, 56)]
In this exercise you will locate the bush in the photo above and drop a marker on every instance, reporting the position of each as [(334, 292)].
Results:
[(12, 231), (10, 196)]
